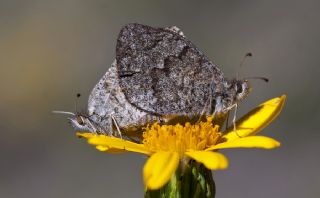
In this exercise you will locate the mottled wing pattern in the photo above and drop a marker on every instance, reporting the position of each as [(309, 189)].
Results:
[(161, 72), (107, 99)]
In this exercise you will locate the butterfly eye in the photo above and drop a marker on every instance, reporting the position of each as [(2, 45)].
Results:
[(80, 120), (239, 88)]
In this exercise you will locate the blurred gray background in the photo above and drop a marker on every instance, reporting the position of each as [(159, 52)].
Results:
[(51, 50)]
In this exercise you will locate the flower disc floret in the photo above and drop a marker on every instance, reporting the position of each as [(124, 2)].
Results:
[(179, 138)]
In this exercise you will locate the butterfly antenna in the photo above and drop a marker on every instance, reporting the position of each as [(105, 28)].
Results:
[(258, 78), (77, 100), (63, 112), (248, 54), (67, 112)]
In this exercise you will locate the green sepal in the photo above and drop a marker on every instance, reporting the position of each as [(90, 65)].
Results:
[(191, 180)]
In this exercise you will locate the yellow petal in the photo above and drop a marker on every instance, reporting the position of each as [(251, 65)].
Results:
[(256, 120), (109, 150), (85, 135), (248, 142), (211, 160), (159, 168), (118, 144), (113, 144), (100, 147)]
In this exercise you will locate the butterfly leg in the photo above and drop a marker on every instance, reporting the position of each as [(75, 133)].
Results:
[(227, 120), (95, 130), (117, 126), (203, 113), (234, 120), (205, 109), (235, 106)]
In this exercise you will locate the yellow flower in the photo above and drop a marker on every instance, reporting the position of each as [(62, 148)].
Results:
[(169, 145)]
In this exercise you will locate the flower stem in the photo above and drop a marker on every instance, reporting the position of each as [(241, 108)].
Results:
[(191, 180)]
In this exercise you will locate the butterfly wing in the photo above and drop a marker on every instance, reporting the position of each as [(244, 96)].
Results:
[(163, 73)]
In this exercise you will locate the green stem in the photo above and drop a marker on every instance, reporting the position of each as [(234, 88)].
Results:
[(192, 180)]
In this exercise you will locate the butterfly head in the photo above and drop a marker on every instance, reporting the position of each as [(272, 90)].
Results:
[(242, 89), (82, 123), (235, 91)]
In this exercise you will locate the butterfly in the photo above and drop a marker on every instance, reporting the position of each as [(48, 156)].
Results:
[(158, 75)]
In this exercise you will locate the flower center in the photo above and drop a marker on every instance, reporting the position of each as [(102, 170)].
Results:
[(180, 138)]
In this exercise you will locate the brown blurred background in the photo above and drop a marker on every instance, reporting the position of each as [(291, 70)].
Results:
[(51, 50)]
